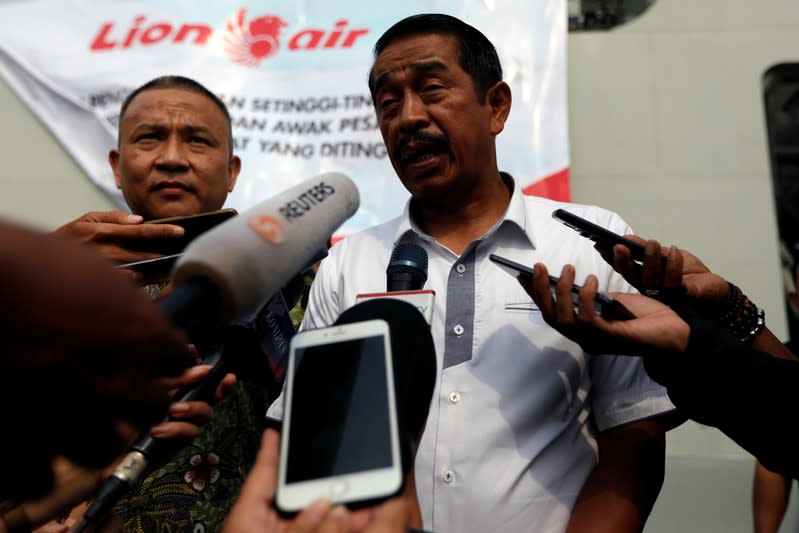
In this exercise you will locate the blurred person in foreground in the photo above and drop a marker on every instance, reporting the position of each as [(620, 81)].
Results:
[(87, 361)]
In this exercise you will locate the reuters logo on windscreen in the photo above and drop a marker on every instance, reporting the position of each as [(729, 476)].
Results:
[(269, 228), (247, 41)]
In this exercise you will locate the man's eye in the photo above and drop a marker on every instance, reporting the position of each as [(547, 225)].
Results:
[(146, 136), (432, 87), (387, 102), (198, 140)]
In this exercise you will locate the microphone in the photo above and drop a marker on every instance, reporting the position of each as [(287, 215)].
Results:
[(413, 362), (228, 274), (407, 268), (405, 276)]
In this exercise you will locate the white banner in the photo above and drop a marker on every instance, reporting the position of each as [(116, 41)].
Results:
[(293, 75)]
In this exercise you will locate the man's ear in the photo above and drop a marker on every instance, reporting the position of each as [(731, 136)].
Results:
[(498, 98), (234, 167), (113, 160)]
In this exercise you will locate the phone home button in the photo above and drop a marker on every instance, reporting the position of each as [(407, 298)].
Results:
[(339, 488)]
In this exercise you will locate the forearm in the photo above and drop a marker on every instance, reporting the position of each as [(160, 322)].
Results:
[(770, 492), (619, 494)]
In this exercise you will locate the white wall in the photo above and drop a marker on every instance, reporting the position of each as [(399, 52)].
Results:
[(667, 128)]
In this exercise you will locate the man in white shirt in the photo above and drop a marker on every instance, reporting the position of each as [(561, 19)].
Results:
[(526, 432)]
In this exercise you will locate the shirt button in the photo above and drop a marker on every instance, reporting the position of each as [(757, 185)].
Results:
[(458, 329), (448, 476), (454, 397), (461, 268)]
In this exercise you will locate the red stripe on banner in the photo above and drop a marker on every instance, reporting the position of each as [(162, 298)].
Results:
[(554, 186)]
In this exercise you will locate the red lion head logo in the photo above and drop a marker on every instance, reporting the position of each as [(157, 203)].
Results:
[(249, 44)]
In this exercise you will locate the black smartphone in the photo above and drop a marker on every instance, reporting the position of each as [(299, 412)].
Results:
[(152, 269), (604, 305), (194, 225), (598, 234)]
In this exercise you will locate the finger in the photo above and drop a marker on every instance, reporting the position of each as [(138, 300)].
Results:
[(174, 430), (564, 305), (259, 486), (311, 517), (227, 384), (113, 217), (672, 276), (190, 376), (132, 275), (623, 264), (586, 311), (541, 292), (137, 231), (195, 411), (336, 521), (651, 277)]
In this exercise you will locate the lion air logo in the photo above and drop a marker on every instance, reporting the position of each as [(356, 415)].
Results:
[(249, 44), (269, 228)]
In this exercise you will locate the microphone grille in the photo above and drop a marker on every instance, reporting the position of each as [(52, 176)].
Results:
[(407, 255)]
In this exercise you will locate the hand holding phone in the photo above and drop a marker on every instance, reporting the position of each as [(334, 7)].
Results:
[(193, 226), (604, 305), (340, 437)]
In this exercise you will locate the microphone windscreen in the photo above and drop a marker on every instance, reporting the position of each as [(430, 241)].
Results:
[(413, 358), (407, 268), (250, 257)]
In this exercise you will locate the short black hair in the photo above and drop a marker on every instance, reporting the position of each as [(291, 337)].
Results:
[(476, 54), (178, 82)]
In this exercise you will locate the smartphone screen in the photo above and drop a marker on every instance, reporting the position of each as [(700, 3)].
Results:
[(340, 421), (340, 436)]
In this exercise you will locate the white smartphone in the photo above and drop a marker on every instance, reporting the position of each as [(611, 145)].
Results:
[(340, 437)]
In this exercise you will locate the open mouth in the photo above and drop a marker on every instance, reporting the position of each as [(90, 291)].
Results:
[(420, 147)]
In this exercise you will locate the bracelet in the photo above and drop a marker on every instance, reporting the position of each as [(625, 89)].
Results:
[(16, 521), (743, 318)]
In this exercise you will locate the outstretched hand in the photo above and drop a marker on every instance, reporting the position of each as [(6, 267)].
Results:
[(109, 231), (656, 328), (681, 274)]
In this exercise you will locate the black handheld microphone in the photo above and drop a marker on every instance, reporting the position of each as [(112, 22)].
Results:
[(407, 268), (228, 274)]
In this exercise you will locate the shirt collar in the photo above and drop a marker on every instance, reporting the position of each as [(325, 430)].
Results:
[(515, 215)]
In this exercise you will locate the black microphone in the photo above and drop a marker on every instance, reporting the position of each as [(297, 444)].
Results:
[(407, 268), (228, 274), (413, 362)]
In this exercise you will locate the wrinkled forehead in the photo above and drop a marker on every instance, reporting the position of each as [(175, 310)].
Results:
[(414, 50)]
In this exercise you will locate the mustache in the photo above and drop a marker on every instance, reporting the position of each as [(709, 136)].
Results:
[(436, 142)]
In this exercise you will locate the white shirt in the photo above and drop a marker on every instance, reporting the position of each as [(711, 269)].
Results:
[(511, 434)]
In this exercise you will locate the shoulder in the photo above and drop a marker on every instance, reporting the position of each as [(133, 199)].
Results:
[(541, 210), (367, 242)]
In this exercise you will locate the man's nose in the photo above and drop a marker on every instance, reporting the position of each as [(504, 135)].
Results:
[(413, 115), (172, 154)]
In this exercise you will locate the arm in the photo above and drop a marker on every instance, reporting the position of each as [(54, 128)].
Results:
[(618, 495), (770, 494)]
